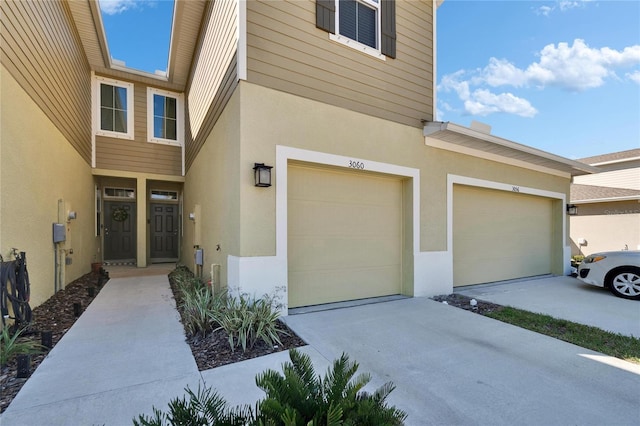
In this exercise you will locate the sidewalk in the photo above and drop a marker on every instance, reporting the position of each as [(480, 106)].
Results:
[(125, 354)]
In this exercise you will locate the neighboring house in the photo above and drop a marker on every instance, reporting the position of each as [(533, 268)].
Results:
[(608, 204), (369, 195)]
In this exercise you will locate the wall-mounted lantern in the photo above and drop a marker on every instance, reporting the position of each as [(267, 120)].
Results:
[(72, 215), (192, 216), (572, 209), (262, 175)]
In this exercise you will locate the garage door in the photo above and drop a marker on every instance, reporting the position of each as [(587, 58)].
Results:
[(344, 235), (499, 235)]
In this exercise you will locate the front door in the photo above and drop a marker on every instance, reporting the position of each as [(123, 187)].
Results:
[(164, 232), (119, 230)]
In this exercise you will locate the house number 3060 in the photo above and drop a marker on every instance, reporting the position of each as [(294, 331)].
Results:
[(356, 165)]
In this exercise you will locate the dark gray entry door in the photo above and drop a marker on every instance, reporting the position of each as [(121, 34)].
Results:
[(164, 231), (119, 230)]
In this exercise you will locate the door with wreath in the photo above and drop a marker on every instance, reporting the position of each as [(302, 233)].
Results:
[(119, 230)]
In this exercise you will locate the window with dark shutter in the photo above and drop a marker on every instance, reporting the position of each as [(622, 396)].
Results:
[(372, 23), (388, 39), (326, 15)]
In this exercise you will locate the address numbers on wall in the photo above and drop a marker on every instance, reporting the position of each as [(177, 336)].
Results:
[(359, 165)]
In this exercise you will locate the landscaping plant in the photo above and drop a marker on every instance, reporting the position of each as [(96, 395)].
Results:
[(200, 307), (300, 397), (247, 320), (296, 397), (206, 407), (12, 346)]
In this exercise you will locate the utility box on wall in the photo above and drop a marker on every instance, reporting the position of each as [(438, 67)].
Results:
[(59, 233), (199, 257)]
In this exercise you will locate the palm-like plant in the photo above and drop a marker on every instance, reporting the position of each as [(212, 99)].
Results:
[(300, 397), (12, 346), (206, 407)]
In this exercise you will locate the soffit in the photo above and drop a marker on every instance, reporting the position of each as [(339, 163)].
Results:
[(187, 20), (487, 143)]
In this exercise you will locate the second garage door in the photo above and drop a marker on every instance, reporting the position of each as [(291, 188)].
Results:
[(499, 235), (344, 235)]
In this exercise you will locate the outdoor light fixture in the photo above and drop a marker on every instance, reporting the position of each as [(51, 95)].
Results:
[(572, 209), (262, 174), (72, 215)]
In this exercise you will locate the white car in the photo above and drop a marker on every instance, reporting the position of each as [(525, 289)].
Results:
[(619, 271)]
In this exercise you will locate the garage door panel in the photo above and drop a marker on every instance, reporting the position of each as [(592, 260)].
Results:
[(322, 253), (351, 218), (344, 235), (499, 235), (329, 286)]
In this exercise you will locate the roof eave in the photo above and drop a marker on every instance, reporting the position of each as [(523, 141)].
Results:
[(438, 130), (606, 200)]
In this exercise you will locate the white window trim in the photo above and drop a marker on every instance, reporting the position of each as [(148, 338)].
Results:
[(337, 37), (96, 108), (179, 97)]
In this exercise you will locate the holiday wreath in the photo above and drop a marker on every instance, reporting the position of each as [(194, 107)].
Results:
[(119, 214)]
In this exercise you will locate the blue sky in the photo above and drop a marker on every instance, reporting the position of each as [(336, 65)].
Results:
[(561, 76)]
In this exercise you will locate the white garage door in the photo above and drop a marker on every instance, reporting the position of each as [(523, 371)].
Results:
[(499, 235), (344, 235)]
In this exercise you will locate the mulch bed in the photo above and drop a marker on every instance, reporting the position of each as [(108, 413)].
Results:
[(56, 315), (214, 349), (463, 302)]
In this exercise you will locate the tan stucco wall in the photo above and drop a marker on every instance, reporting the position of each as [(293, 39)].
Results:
[(271, 118), (38, 167), (606, 226), (212, 191)]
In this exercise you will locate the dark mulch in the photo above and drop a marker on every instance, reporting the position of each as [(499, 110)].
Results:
[(214, 349), (464, 302), (55, 315)]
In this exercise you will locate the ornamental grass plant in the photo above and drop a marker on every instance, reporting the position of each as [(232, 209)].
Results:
[(13, 345)]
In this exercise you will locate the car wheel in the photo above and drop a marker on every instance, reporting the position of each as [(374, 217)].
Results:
[(625, 282)]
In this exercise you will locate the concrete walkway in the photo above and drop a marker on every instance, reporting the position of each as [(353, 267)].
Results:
[(127, 353), (566, 298)]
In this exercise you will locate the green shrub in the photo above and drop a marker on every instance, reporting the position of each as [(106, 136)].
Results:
[(297, 397), (12, 346), (205, 407), (200, 307), (247, 320), (300, 397)]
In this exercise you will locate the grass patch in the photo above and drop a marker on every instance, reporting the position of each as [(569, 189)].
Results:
[(617, 345)]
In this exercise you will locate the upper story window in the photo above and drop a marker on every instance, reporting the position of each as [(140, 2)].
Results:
[(165, 117), (113, 108), (365, 25), (359, 21)]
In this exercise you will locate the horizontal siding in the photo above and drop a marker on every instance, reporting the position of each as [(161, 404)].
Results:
[(138, 155), (42, 51), (285, 51), (215, 73), (629, 179)]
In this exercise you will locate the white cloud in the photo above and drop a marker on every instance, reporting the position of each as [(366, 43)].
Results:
[(634, 76), (483, 102), (575, 68), (544, 10), (114, 7), (561, 5)]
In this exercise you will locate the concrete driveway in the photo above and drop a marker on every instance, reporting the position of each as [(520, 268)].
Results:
[(456, 367), (567, 298)]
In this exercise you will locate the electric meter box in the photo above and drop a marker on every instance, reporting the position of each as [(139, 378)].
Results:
[(199, 257), (59, 233)]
